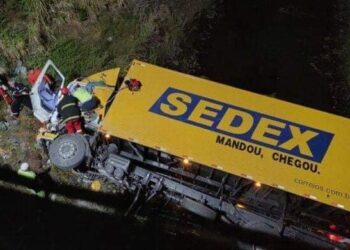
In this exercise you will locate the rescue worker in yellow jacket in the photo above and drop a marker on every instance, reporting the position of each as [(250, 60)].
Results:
[(87, 100)]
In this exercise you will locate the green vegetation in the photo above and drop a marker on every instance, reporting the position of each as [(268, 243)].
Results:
[(86, 36)]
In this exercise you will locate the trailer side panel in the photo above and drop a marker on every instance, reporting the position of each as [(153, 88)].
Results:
[(291, 147)]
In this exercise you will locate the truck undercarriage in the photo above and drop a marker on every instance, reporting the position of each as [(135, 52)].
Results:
[(207, 192)]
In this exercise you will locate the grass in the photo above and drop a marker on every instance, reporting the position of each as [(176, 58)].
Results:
[(18, 140), (72, 56), (86, 36)]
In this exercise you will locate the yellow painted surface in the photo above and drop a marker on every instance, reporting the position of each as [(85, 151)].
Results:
[(95, 186), (46, 136), (298, 149), (104, 92)]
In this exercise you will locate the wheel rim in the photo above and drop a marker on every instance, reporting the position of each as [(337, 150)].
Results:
[(67, 150)]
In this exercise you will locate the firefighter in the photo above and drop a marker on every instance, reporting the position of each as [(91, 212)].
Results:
[(4, 90), (20, 96), (69, 111)]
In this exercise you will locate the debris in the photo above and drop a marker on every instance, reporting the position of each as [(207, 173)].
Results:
[(96, 186), (41, 194), (12, 121), (20, 70), (25, 172), (4, 126), (4, 154), (23, 146), (3, 70), (35, 161), (14, 140), (24, 166), (81, 203), (52, 197)]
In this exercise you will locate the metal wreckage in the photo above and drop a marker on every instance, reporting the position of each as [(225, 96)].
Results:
[(220, 152)]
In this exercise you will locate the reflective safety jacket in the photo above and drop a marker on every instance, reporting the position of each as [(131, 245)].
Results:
[(82, 95), (68, 108)]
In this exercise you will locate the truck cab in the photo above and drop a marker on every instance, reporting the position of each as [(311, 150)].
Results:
[(101, 84)]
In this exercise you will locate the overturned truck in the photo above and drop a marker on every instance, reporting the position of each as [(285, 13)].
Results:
[(220, 152)]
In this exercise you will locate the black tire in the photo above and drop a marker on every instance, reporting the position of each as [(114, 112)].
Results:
[(68, 151), (198, 209)]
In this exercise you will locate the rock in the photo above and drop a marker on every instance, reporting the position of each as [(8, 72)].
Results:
[(14, 140), (3, 70), (13, 122), (35, 162), (23, 146), (52, 197), (95, 186), (4, 126), (24, 166), (4, 154)]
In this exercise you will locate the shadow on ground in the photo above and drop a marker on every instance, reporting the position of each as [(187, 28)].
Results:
[(29, 222)]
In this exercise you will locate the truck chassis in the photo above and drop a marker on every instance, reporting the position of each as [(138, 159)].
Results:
[(207, 192)]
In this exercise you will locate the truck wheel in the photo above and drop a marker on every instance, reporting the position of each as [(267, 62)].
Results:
[(67, 151), (198, 208)]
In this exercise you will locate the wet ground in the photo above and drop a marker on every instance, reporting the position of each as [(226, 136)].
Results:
[(276, 46)]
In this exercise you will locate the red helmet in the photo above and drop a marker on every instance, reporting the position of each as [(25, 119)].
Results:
[(64, 91)]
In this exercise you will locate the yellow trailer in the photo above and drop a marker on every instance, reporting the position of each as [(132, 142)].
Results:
[(280, 144), (219, 152)]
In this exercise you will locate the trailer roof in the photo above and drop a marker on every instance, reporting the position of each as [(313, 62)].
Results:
[(288, 146)]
